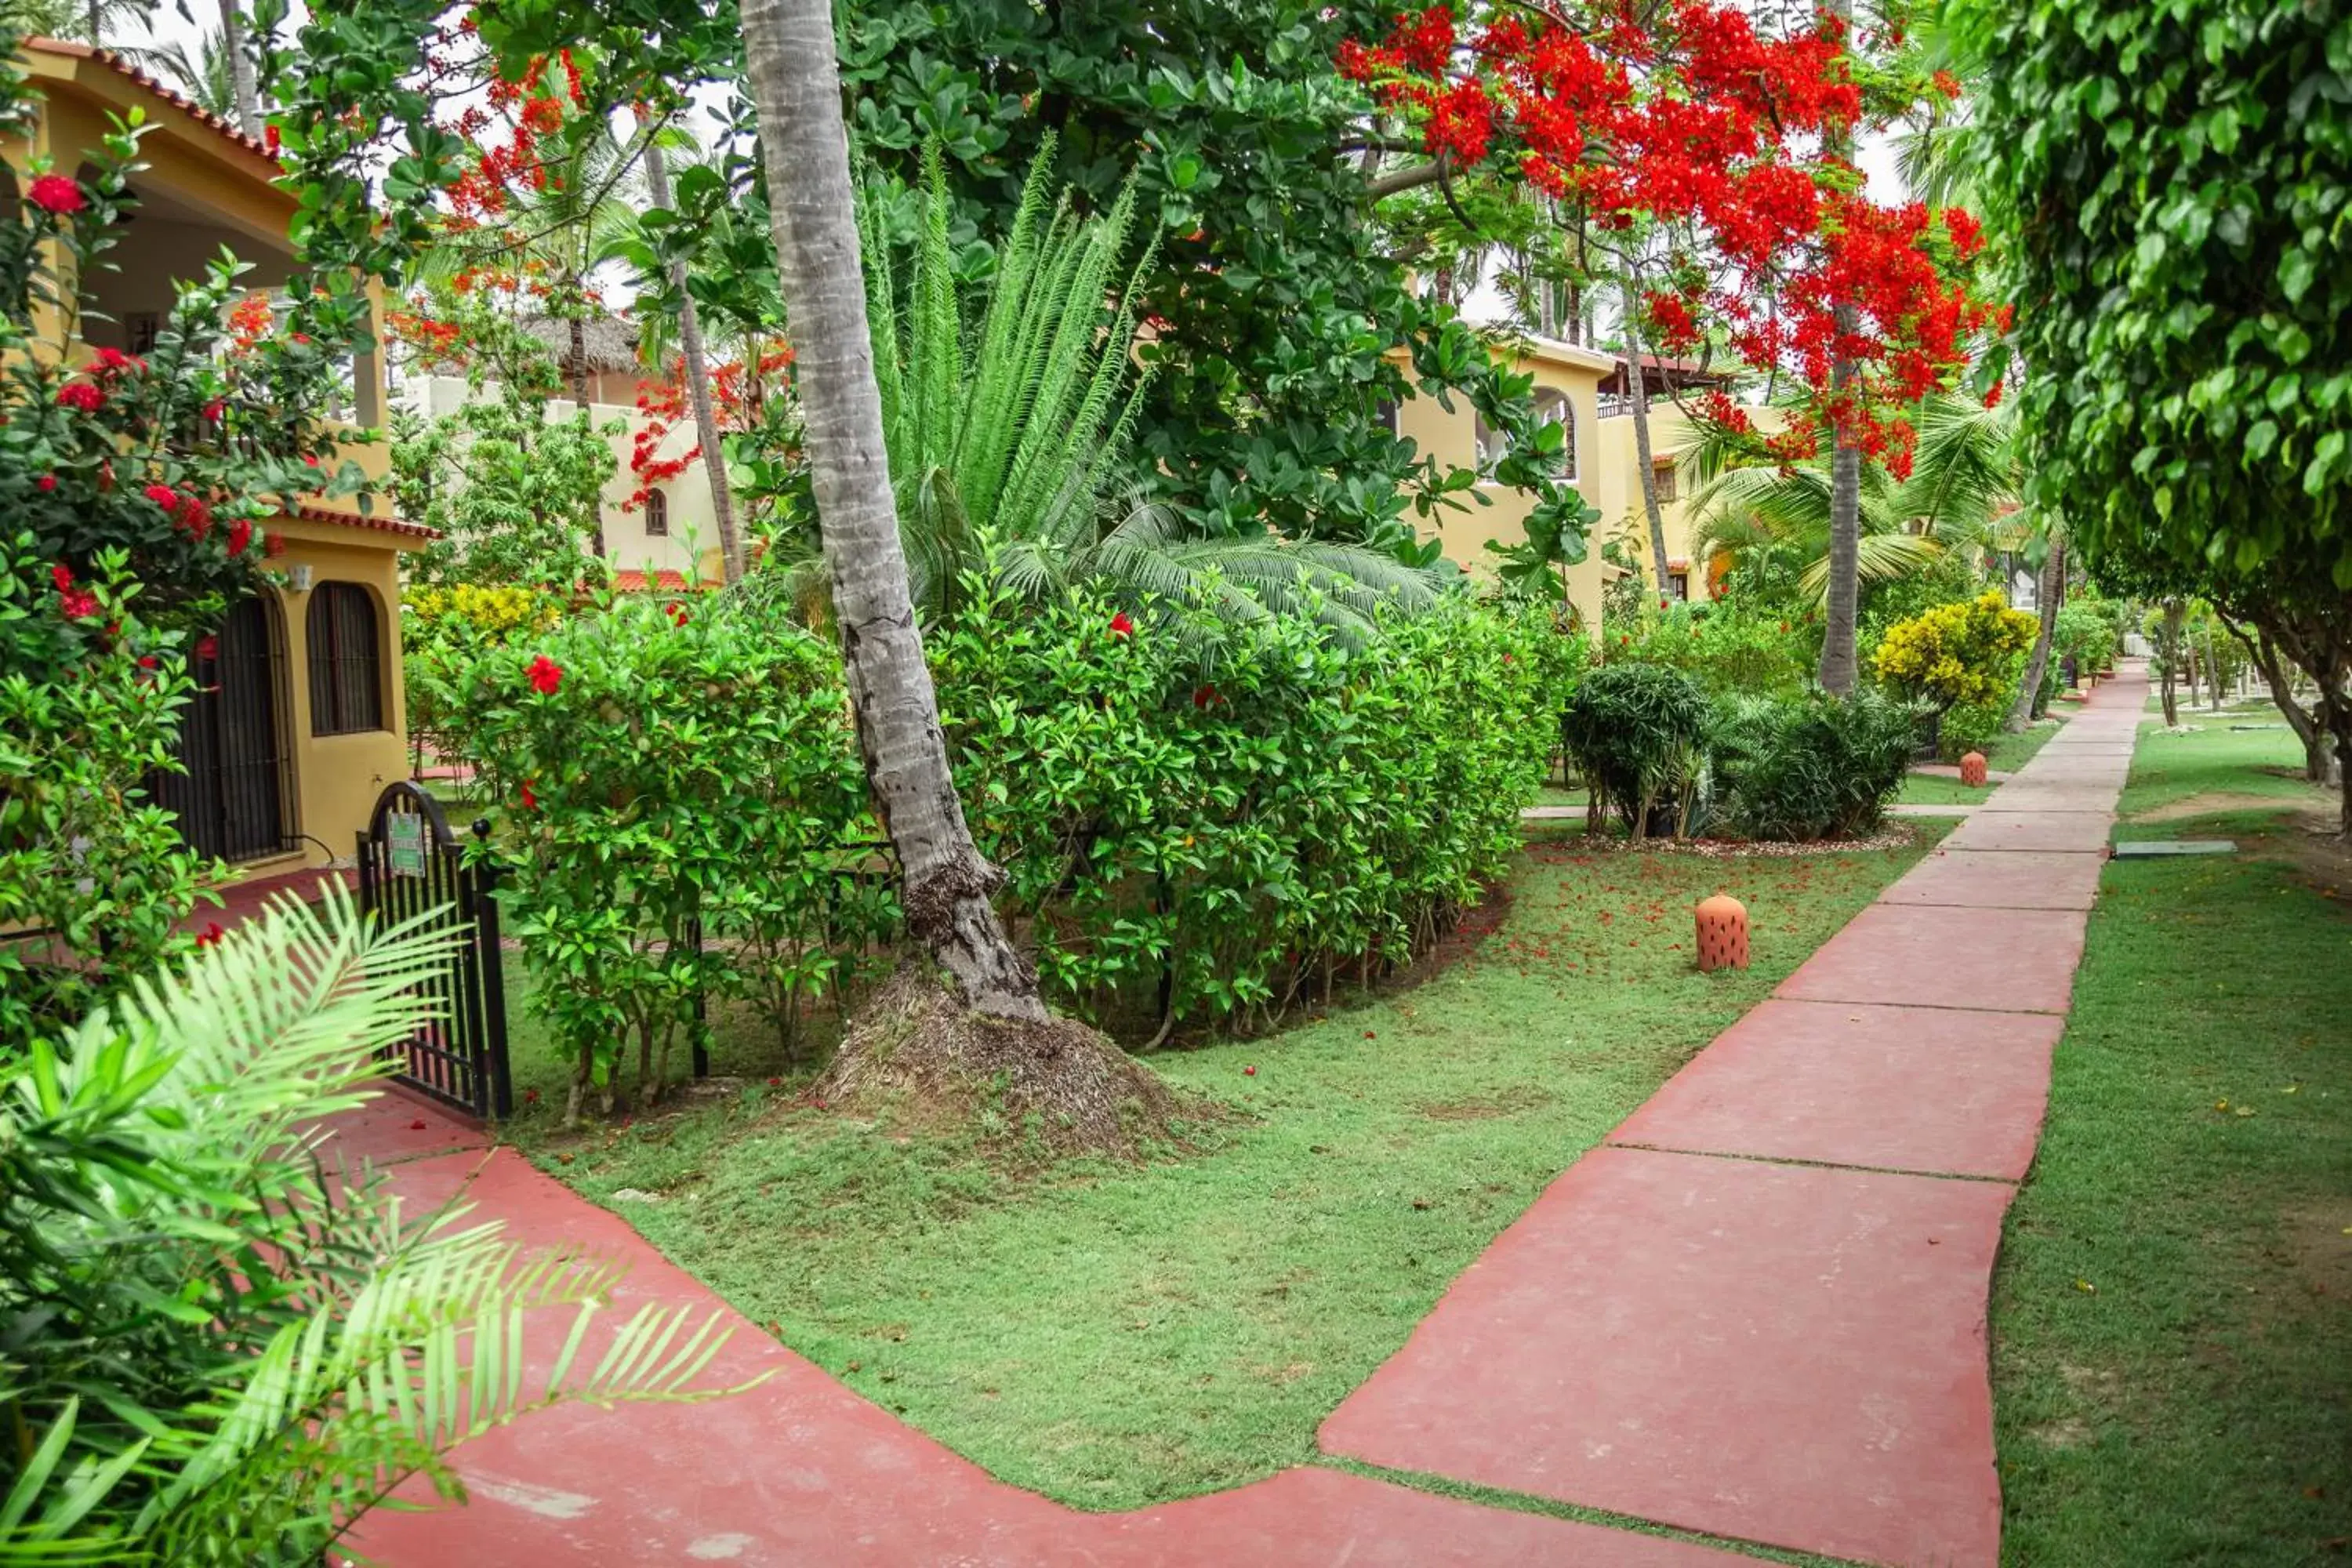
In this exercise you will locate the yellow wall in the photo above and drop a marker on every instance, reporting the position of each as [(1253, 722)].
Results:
[(1451, 438), (338, 777), (203, 189)]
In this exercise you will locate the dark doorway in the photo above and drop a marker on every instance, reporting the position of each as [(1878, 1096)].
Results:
[(231, 801)]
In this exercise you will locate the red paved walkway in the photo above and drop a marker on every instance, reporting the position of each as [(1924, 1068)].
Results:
[(1759, 1314)]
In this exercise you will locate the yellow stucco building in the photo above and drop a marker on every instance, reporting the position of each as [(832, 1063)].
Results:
[(1582, 389), (301, 722)]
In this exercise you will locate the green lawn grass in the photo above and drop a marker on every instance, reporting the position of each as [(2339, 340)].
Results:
[(1115, 1335), (2005, 754), (2172, 1313)]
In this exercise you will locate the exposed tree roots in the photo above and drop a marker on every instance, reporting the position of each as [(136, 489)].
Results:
[(917, 1048)]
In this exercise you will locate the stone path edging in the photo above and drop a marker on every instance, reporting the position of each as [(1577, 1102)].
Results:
[(1757, 1313)]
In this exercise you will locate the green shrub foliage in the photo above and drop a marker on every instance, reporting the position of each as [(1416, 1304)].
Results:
[(1638, 734), (1239, 835), (1727, 647), (1807, 767), (665, 766), (1181, 841)]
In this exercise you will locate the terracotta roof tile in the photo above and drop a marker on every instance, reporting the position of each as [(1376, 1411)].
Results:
[(172, 96), (634, 582), (373, 524)]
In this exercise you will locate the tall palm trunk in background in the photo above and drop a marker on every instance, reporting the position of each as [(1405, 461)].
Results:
[(579, 369), (2048, 594), (1638, 390), (796, 88), (1837, 669), (242, 86), (697, 369)]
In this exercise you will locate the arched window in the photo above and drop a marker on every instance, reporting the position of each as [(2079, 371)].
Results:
[(1552, 407), (346, 660), (657, 514)]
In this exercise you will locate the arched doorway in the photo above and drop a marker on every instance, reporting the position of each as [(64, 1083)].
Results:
[(232, 800)]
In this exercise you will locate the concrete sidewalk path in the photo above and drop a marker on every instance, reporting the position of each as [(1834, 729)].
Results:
[(1757, 1316), (1759, 1312)]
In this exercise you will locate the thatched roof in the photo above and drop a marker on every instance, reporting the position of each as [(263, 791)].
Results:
[(610, 342)]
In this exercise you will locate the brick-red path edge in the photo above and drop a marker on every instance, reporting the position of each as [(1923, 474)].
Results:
[(801, 1471), (1693, 1328)]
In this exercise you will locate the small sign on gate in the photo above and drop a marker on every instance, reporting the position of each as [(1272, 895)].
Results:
[(405, 844)]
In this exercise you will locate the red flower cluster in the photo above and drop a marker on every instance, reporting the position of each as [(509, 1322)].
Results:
[(77, 604), (1700, 119), (677, 611), (1121, 626), (211, 935), (545, 675), (56, 194), (82, 395)]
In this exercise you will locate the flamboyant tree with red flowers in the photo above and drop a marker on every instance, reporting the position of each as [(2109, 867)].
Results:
[(1713, 153)]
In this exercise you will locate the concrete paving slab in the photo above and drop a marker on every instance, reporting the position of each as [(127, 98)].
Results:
[(1927, 1090), (2056, 793), (1924, 956), (399, 1125), (1784, 1353), (2000, 879), (2160, 849), (2038, 830)]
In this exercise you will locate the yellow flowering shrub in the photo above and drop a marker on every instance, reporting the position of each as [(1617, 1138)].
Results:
[(491, 612), (1957, 655)]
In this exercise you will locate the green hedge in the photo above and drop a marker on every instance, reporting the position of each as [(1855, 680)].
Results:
[(1195, 822)]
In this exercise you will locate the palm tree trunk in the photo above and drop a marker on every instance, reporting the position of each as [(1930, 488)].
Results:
[(243, 88), (579, 369), (1837, 669), (2052, 588), (1637, 390), (697, 386), (796, 88)]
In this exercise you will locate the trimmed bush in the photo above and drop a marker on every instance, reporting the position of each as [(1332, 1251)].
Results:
[(1810, 767), (1960, 654), (1726, 648), (1638, 734)]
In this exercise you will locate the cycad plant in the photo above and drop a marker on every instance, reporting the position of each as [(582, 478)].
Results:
[(1003, 432), (214, 1349)]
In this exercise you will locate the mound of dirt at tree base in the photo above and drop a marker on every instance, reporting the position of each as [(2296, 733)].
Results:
[(915, 1049)]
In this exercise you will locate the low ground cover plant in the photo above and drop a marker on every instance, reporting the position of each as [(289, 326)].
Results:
[(1810, 767)]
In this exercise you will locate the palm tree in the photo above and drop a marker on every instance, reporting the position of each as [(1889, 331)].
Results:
[(796, 84), (207, 76), (221, 1347), (1960, 495), (1001, 440), (694, 366)]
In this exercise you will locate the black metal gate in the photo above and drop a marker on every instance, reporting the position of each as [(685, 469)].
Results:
[(410, 864), (231, 800)]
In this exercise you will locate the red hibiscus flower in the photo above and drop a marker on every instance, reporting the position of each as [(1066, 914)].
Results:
[(546, 675), (146, 661), (164, 496), (81, 394), (207, 649), (56, 194), (215, 409), (46, 483), (269, 139), (1121, 626), (529, 796), (240, 534), (676, 613), (1203, 696)]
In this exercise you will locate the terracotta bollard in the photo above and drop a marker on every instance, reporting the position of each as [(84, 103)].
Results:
[(1972, 768), (1722, 934)]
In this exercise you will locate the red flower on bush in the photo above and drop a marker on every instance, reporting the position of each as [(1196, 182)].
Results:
[(529, 796), (207, 649), (211, 935), (164, 496), (146, 661), (676, 613), (79, 604), (196, 519), (215, 409), (274, 545), (1204, 695), (1121, 626), (81, 394), (46, 483), (57, 195), (62, 575), (546, 675), (240, 534)]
